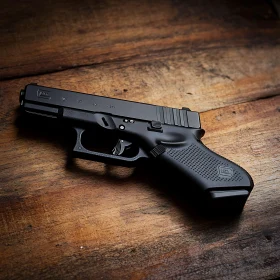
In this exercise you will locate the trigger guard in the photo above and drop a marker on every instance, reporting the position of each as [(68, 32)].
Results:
[(79, 151)]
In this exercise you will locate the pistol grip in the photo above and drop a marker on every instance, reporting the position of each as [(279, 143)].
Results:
[(223, 183)]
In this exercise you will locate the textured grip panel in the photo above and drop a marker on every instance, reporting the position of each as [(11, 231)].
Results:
[(201, 161)]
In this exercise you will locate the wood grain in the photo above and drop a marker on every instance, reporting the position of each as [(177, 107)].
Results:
[(87, 220), (206, 83), (40, 37)]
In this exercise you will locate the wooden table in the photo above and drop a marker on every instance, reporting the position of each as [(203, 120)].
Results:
[(91, 221)]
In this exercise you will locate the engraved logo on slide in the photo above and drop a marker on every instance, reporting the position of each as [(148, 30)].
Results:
[(225, 172), (43, 94)]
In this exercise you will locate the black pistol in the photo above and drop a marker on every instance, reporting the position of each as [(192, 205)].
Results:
[(167, 136)]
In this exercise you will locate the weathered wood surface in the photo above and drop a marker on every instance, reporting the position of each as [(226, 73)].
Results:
[(40, 37), (91, 221)]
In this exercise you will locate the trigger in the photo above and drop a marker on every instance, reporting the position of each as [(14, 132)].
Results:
[(120, 147)]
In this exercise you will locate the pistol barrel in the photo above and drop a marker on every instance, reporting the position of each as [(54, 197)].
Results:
[(48, 101)]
